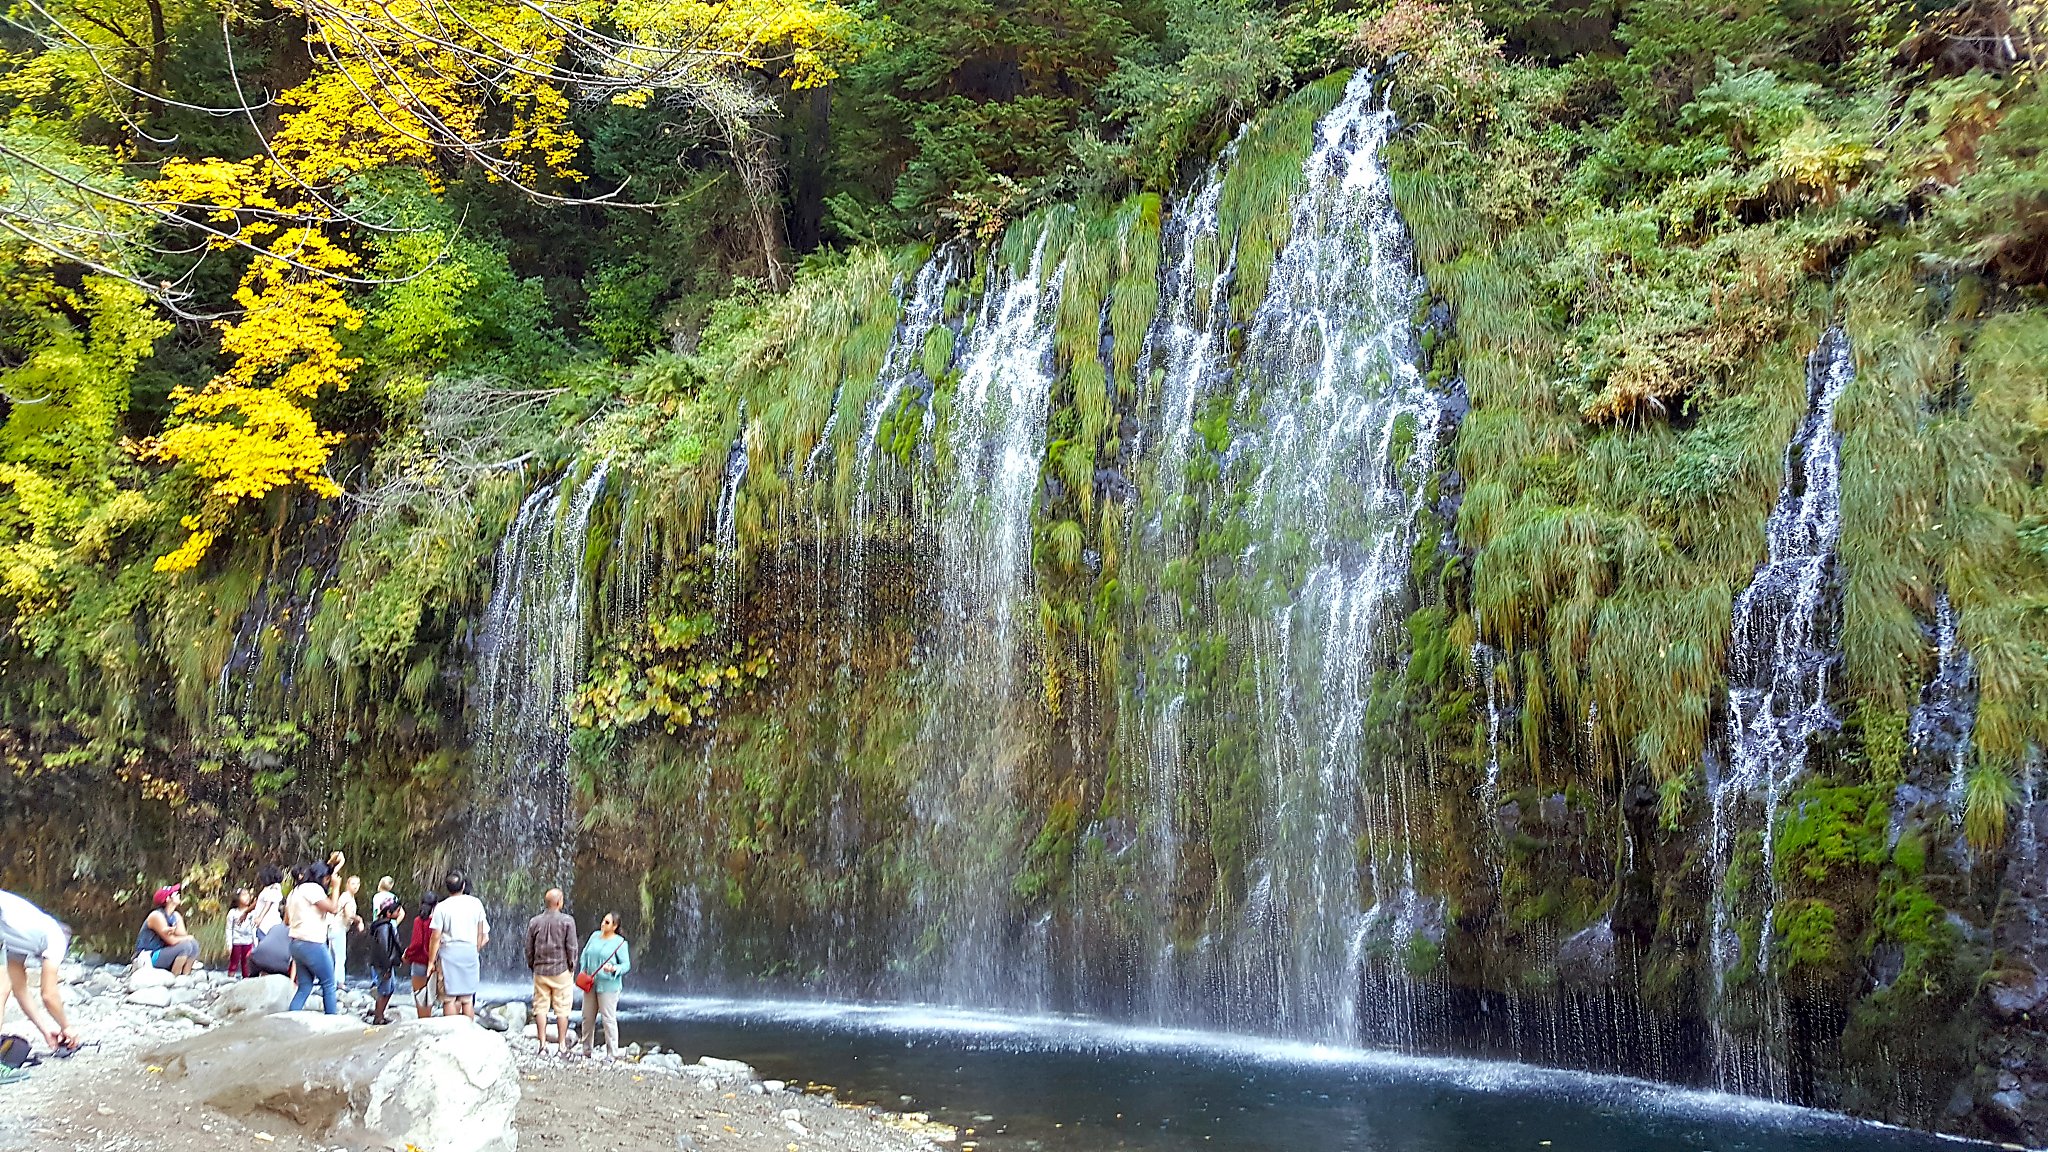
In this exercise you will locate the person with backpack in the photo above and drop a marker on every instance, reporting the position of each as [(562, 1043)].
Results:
[(601, 974), (387, 953), (27, 931), (417, 955)]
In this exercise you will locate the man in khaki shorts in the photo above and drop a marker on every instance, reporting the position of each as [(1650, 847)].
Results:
[(551, 950)]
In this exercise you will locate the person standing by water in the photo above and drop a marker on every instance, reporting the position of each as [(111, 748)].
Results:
[(344, 921), (241, 932), (306, 913), (26, 932), (601, 973), (163, 937), (416, 954), (551, 954), (387, 954), (454, 951)]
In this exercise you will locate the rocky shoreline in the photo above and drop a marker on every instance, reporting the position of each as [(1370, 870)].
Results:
[(203, 1062)]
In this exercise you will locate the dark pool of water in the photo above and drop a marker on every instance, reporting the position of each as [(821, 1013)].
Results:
[(1026, 1084)]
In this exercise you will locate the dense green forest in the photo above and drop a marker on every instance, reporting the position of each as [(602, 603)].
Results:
[(305, 302)]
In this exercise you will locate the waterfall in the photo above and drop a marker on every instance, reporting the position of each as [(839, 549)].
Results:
[(1335, 457), (979, 699), (725, 529), (1779, 658), (1942, 722), (903, 373), (529, 663), (1486, 669), (1187, 348)]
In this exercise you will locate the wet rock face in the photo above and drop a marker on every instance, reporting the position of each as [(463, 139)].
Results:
[(2016, 1002)]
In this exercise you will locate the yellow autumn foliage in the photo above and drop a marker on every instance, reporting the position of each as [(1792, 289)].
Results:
[(802, 41), (404, 83)]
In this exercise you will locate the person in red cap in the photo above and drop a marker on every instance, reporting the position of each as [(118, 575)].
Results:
[(163, 937)]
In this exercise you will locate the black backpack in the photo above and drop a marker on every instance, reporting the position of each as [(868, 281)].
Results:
[(386, 949)]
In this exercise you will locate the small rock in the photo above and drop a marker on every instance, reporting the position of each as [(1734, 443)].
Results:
[(772, 1085), (2020, 994), (756, 1089), (151, 997), (727, 1068), (2009, 1106), (685, 1142), (189, 1013), (148, 977), (796, 1128), (791, 1114)]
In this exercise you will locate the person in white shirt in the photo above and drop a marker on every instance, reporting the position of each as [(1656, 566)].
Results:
[(305, 913), (382, 898), (27, 931), (454, 950)]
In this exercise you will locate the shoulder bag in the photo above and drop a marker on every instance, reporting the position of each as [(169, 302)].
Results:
[(587, 981)]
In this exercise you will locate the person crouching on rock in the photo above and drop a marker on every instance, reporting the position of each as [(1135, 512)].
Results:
[(27, 931), (387, 953), (306, 913), (454, 951), (163, 937), (417, 953), (551, 954)]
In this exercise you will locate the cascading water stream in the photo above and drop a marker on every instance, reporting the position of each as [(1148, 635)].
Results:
[(1336, 465), (924, 308), (1486, 669), (1942, 722), (725, 529), (978, 698), (529, 663), (1187, 348), (1783, 648)]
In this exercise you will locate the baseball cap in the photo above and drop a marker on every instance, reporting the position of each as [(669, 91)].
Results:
[(167, 891)]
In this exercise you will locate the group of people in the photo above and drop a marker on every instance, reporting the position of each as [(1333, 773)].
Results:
[(303, 929)]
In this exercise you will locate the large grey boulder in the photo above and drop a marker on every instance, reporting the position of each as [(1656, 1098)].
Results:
[(440, 1084), (256, 996)]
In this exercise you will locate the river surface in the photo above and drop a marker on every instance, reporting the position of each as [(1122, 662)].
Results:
[(1057, 1084)]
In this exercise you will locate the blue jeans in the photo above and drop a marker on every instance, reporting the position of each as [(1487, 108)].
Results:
[(337, 943), (314, 962)]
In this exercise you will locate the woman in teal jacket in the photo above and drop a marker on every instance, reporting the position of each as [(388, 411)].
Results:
[(606, 959)]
